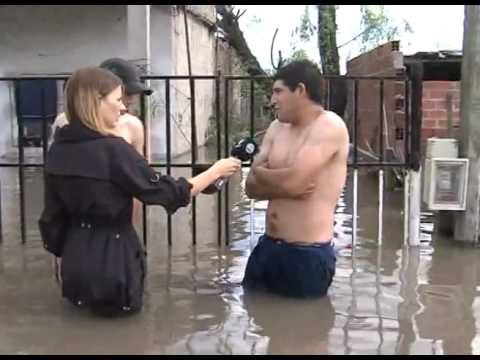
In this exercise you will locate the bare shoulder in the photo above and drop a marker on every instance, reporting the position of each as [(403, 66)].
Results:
[(133, 123), (274, 126), (135, 131), (272, 129), (331, 126)]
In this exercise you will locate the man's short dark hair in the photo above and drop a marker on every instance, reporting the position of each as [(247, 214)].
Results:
[(305, 72)]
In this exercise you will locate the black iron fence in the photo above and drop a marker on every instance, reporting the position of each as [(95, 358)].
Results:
[(409, 131)]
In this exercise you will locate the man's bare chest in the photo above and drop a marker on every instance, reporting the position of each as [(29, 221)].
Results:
[(285, 148)]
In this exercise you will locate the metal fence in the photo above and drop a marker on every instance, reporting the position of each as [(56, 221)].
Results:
[(411, 133)]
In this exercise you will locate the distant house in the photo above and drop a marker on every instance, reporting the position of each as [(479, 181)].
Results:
[(57, 39), (440, 100)]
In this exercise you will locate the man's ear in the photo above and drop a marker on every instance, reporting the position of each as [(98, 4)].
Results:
[(301, 88)]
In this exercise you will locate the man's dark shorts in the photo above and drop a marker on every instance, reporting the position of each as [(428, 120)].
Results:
[(290, 269)]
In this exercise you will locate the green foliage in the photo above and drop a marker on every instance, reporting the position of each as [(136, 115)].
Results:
[(306, 29), (301, 34), (299, 54), (378, 27)]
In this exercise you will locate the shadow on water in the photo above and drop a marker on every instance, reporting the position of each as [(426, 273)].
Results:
[(390, 299)]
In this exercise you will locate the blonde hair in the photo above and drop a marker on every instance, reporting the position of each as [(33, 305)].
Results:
[(84, 91)]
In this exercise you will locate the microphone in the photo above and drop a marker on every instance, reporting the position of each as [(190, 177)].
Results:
[(243, 150)]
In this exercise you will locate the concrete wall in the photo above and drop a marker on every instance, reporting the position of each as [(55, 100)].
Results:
[(53, 39), (7, 116), (36, 39), (40, 39), (202, 49), (161, 64)]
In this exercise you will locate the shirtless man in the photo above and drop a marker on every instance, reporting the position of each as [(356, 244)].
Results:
[(301, 169)]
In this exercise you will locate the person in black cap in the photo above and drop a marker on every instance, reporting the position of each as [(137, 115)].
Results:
[(129, 126), (127, 72)]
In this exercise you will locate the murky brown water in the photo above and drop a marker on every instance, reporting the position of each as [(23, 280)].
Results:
[(388, 300)]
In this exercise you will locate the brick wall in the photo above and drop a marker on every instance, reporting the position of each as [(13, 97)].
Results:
[(384, 60), (435, 109)]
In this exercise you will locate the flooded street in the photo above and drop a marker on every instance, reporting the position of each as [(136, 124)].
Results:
[(384, 300)]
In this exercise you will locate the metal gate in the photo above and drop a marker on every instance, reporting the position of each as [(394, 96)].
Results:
[(410, 132)]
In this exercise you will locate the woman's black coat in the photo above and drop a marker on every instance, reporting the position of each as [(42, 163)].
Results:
[(90, 180)]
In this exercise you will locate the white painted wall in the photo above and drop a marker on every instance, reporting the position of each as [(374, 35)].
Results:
[(202, 49), (161, 64), (43, 39), (53, 39)]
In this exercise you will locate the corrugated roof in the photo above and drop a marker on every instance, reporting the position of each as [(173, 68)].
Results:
[(436, 55)]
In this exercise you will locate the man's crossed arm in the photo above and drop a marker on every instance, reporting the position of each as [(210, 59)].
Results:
[(295, 181)]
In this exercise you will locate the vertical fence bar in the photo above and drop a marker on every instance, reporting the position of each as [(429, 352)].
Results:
[(168, 151), (355, 164), (355, 211), (416, 72), (355, 123), (194, 155), (380, 206), (406, 206), (381, 124), (252, 134), (378, 299), (219, 154), (44, 122), (227, 215), (21, 162), (145, 152), (252, 108), (328, 93), (381, 172), (406, 181), (406, 136), (416, 113)]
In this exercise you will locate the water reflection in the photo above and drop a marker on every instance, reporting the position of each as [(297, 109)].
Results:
[(387, 299)]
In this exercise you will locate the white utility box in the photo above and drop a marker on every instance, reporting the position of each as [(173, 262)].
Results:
[(445, 176)]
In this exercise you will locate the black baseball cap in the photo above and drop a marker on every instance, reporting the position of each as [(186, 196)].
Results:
[(128, 73)]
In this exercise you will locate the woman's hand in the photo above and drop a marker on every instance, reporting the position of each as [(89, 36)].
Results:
[(226, 167)]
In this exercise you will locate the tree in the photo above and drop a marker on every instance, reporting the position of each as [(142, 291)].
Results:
[(327, 39), (378, 27), (301, 34), (229, 24)]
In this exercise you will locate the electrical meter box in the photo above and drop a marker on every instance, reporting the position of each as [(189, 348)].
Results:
[(445, 176)]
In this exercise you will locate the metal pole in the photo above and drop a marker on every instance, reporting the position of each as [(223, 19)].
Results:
[(193, 126), (219, 154), (168, 151), (380, 206), (355, 205), (414, 208), (406, 207), (21, 162)]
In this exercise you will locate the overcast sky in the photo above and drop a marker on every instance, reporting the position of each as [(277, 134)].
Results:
[(435, 27)]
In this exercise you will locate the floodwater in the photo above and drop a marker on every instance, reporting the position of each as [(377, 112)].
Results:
[(388, 299)]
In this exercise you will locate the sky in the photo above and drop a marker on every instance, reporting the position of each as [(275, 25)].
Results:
[(435, 27)]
